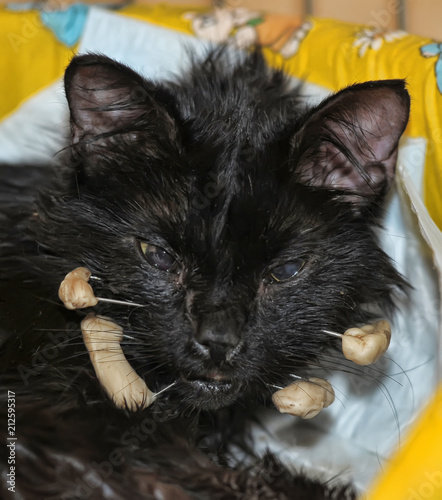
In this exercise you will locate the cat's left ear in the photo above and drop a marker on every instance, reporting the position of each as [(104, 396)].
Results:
[(107, 98), (349, 143)]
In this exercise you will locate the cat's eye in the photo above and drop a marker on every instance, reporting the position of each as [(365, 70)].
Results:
[(286, 271), (158, 257)]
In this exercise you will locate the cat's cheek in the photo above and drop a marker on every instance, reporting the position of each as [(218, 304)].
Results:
[(261, 289), (267, 290), (179, 279), (189, 301)]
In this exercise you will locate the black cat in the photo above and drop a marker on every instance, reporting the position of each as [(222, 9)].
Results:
[(242, 223)]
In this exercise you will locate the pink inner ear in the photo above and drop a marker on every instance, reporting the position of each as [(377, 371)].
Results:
[(351, 142), (103, 97), (91, 115)]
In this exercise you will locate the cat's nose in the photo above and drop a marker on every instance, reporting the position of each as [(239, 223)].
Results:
[(218, 338)]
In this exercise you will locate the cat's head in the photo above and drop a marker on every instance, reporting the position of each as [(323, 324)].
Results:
[(241, 223)]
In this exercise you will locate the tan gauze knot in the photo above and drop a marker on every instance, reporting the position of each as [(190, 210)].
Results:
[(122, 384), (367, 344), (75, 291), (304, 398)]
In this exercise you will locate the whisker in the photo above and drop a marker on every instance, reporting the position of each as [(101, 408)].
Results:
[(75, 355), (358, 370)]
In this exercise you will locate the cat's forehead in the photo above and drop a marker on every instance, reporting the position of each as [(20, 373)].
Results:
[(212, 209), (241, 123)]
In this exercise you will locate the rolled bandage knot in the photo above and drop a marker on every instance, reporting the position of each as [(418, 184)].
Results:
[(122, 384), (75, 291), (304, 398), (367, 344), (102, 338)]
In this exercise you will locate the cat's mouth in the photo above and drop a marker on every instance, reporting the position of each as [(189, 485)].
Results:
[(209, 391), (213, 378), (217, 376)]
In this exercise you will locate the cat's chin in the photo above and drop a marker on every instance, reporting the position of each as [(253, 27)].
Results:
[(208, 394)]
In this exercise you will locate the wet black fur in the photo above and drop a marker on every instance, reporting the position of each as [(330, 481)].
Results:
[(227, 171)]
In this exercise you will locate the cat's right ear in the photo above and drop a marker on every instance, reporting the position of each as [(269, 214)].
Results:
[(349, 143), (107, 98)]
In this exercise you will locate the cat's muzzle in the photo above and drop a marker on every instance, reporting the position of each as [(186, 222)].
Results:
[(218, 337), (212, 381), (219, 353)]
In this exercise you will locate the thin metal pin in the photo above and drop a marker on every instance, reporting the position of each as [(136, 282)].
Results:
[(122, 302), (166, 388), (275, 386), (334, 334)]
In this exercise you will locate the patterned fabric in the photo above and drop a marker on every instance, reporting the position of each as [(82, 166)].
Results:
[(68, 24)]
